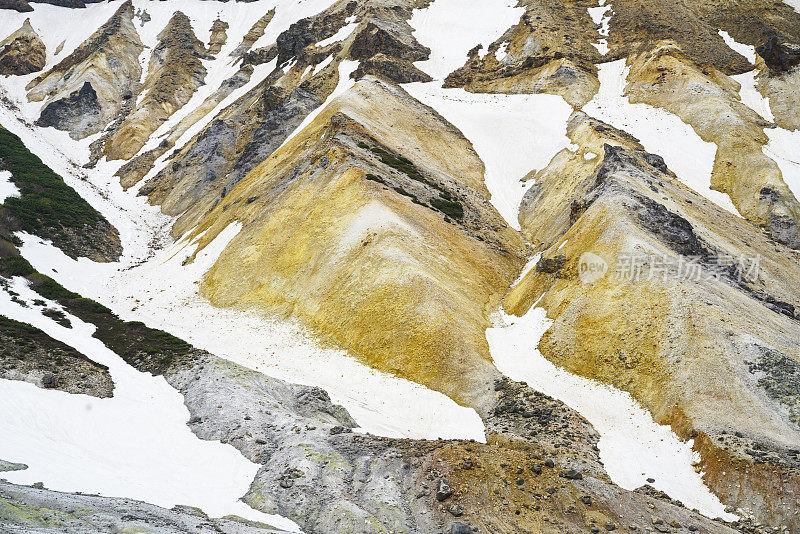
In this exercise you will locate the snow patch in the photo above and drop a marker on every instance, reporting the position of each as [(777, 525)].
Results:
[(632, 446), (8, 188), (659, 131), (374, 217), (512, 134), (602, 15), (783, 149), (451, 28), (747, 51), (135, 445)]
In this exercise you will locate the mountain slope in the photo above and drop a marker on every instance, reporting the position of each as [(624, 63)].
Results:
[(374, 219)]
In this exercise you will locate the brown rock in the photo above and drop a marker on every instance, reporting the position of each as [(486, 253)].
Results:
[(22, 52)]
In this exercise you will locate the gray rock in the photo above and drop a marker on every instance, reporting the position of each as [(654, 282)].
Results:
[(443, 490)]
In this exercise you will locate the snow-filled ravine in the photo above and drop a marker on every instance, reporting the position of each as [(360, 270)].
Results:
[(783, 143), (512, 134), (135, 445), (632, 446), (659, 131), (451, 28)]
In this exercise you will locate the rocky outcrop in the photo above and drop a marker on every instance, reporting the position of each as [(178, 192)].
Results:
[(374, 209), (253, 34), (398, 70), (103, 73), (709, 101), (37, 509), (22, 52), (778, 67), (665, 318), (174, 74), (16, 5), (80, 111), (30, 355), (549, 51), (779, 57), (218, 37)]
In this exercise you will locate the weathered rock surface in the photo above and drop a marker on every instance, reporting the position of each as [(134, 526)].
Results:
[(16, 5), (549, 51), (381, 191), (94, 80), (27, 509), (30, 355), (709, 101), (679, 290), (80, 111), (174, 74), (22, 52)]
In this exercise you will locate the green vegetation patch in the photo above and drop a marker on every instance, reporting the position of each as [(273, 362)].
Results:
[(147, 349), (448, 207), (46, 204), (445, 204)]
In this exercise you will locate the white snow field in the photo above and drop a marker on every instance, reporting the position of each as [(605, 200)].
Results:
[(163, 294), (451, 28), (659, 131), (632, 446), (783, 143), (380, 403), (135, 445), (7, 187), (512, 134)]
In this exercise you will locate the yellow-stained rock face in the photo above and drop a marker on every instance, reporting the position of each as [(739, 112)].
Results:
[(681, 319), (22, 52), (174, 74), (392, 280), (708, 100)]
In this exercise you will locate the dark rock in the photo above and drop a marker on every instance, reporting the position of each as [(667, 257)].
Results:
[(455, 510), (779, 57), (551, 265), (656, 161), (549, 463), (443, 490), (17, 5), (24, 55), (393, 69), (80, 108), (460, 528), (587, 500), (572, 474), (49, 381), (373, 40)]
